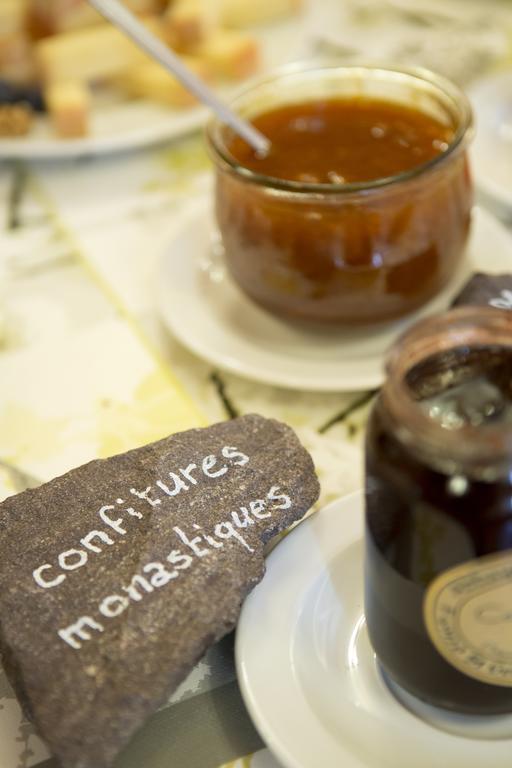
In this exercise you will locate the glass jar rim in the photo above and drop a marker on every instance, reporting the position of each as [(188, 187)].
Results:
[(421, 74), (471, 446)]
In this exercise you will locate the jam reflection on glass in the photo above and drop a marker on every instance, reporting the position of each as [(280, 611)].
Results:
[(345, 257), (424, 517)]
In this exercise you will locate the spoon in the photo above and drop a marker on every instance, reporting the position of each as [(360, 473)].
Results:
[(115, 12)]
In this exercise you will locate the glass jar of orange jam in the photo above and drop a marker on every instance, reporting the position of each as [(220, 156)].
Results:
[(360, 211)]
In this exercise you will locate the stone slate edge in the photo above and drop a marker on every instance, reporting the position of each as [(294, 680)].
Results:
[(225, 625)]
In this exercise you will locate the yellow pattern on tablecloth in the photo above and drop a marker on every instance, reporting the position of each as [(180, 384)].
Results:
[(242, 762), (84, 396)]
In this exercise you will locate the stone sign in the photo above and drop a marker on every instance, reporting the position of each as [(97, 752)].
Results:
[(116, 577), (484, 290)]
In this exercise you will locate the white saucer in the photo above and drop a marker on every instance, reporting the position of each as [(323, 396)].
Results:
[(207, 312), (491, 153), (308, 674)]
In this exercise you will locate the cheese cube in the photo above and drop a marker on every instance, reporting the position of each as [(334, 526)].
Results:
[(244, 13), (188, 23), (230, 54), (68, 105)]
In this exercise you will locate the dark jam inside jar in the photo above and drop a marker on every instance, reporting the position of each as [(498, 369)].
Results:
[(425, 516), (335, 256)]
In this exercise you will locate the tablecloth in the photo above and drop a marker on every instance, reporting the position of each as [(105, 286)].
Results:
[(88, 370)]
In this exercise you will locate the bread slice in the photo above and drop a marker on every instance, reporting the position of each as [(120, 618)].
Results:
[(88, 55)]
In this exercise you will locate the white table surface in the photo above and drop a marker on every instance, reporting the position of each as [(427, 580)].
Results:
[(86, 367)]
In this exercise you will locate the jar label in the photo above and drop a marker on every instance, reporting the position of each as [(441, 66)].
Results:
[(468, 615)]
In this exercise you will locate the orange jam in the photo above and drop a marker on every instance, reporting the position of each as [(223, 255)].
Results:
[(343, 141), (339, 253)]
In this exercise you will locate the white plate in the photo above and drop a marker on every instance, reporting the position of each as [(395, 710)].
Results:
[(206, 311), (491, 153), (116, 126), (119, 125), (307, 671)]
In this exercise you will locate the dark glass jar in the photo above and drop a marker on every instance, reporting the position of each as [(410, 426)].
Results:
[(438, 569)]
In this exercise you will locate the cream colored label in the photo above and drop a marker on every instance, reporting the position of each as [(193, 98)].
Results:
[(468, 615)]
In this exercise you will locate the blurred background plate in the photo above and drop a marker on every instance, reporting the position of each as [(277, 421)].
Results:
[(491, 155), (203, 308), (119, 125)]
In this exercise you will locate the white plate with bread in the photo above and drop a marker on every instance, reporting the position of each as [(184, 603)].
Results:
[(103, 95)]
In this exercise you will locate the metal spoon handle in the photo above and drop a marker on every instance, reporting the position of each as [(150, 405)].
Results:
[(115, 12)]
